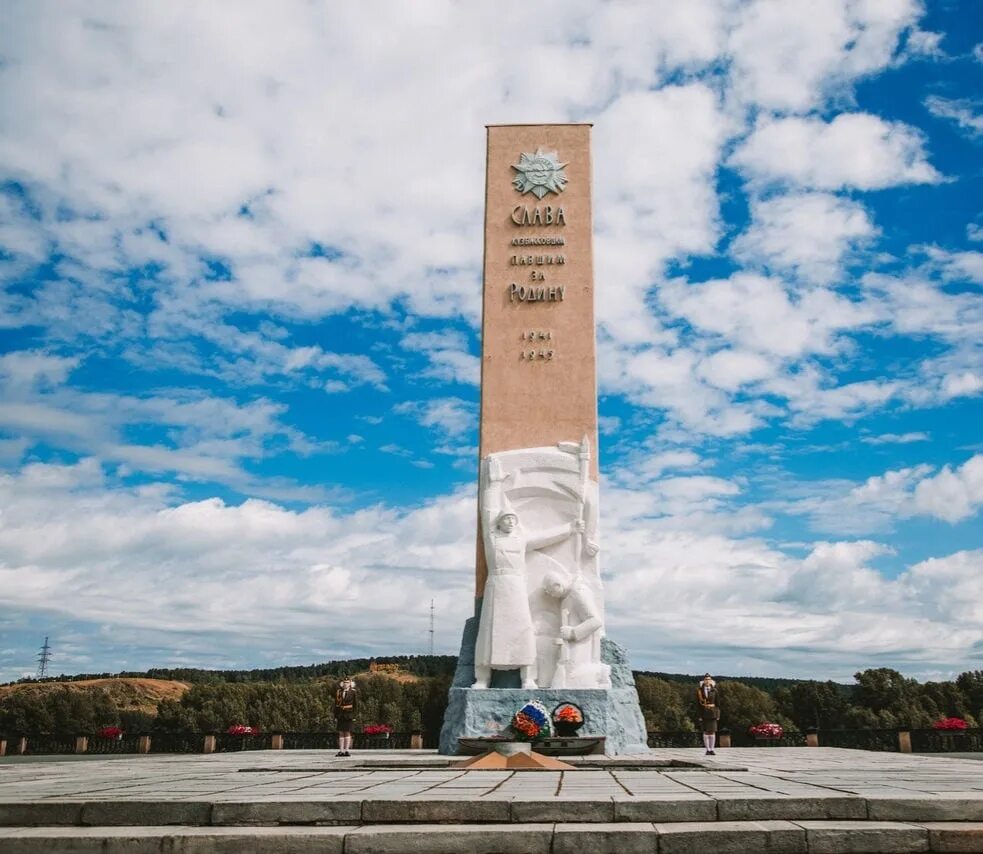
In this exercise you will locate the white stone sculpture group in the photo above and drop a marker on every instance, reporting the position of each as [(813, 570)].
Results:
[(542, 611)]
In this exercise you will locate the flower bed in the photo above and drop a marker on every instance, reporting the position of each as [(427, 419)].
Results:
[(766, 731), (383, 730), (950, 725), (243, 730)]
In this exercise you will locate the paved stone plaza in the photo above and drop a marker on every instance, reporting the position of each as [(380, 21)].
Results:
[(764, 799)]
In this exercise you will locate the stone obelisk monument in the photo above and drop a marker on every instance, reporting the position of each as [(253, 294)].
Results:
[(538, 631)]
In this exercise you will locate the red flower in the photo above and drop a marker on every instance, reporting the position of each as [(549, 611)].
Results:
[(568, 713), (951, 724), (242, 729), (377, 729), (110, 732), (767, 730)]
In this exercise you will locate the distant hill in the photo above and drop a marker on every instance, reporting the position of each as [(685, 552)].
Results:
[(409, 667), (413, 665), (127, 694)]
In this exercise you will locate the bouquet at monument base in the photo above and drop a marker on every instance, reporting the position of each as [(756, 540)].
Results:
[(242, 729), (950, 725), (568, 718), (766, 730), (531, 722)]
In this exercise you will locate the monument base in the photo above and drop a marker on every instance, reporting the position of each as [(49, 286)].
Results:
[(610, 712)]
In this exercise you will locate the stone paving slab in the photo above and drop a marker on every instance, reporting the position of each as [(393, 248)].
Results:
[(954, 836), (864, 837), (292, 787), (749, 837), (731, 837)]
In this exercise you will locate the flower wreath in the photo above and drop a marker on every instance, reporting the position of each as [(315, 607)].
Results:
[(531, 722)]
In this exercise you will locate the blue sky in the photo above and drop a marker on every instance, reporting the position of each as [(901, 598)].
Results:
[(240, 251)]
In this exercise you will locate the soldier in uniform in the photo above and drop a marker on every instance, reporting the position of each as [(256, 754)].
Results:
[(706, 693), (345, 704)]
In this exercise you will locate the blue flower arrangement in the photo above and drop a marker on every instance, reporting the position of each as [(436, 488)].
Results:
[(532, 722)]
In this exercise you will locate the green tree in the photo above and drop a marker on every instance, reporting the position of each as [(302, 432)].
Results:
[(742, 706), (813, 704), (663, 705)]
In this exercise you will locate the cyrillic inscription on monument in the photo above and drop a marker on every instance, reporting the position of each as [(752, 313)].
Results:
[(538, 375)]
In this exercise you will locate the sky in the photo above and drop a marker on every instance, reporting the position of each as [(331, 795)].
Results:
[(240, 258)]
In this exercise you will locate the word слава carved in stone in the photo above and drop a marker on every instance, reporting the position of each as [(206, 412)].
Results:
[(542, 610), (546, 215)]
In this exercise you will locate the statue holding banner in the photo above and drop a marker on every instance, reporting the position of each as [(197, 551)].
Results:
[(536, 506)]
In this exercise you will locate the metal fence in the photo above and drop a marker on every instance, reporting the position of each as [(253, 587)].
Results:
[(49, 743), (177, 742), (860, 739), (675, 739), (921, 740), (947, 741), (126, 744), (194, 742)]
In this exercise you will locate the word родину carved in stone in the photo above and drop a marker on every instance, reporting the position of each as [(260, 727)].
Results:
[(542, 293)]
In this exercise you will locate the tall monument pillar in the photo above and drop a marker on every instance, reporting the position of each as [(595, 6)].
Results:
[(538, 364), (539, 628)]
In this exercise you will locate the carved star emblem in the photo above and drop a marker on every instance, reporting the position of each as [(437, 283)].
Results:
[(539, 173)]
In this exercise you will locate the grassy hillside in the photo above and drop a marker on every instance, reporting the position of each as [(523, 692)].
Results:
[(133, 694)]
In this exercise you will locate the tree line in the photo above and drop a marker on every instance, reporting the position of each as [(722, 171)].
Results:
[(879, 698)]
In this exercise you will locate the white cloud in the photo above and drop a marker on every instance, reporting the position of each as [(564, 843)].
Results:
[(964, 384), (657, 154), (449, 415), (950, 587), (839, 573), (923, 43), (730, 369), (149, 566), (668, 380), (789, 55), (964, 113), (758, 313), (24, 370), (854, 150), (448, 354), (804, 234), (956, 266), (895, 438), (187, 433), (879, 503), (913, 304), (952, 494)]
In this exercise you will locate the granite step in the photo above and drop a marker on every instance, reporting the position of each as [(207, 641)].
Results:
[(721, 837), (501, 810)]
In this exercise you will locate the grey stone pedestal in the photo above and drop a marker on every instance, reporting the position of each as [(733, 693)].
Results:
[(613, 713)]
